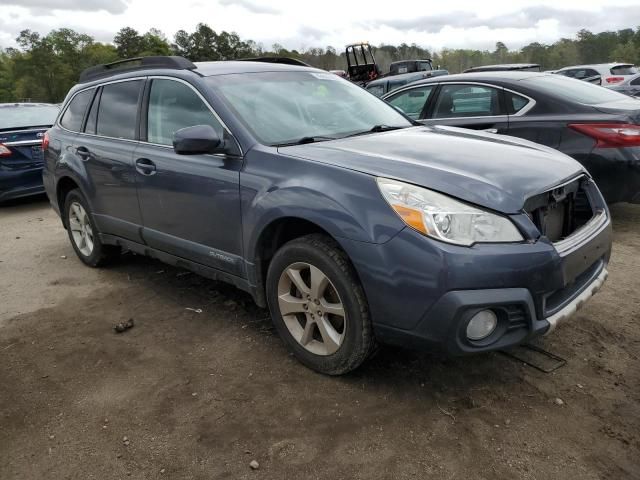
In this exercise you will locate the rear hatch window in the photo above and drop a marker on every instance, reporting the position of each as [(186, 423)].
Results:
[(18, 116), (624, 70)]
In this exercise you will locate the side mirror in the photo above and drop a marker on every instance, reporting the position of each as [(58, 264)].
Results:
[(197, 139)]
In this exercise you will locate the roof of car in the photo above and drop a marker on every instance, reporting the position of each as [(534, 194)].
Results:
[(27, 104), (611, 64), (134, 67), (503, 66), (409, 61), (508, 76), (208, 69), (400, 76)]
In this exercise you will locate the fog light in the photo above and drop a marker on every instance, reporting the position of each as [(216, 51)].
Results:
[(481, 325)]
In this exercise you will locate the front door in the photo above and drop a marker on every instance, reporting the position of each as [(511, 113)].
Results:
[(190, 204), (467, 105)]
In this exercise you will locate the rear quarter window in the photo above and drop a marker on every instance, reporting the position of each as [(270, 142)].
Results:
[(516, 102), (74, 114)]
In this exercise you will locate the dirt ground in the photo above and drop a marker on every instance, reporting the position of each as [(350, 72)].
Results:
[(201, 395)]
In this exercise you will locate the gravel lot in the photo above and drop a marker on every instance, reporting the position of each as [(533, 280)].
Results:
[(201, 395)]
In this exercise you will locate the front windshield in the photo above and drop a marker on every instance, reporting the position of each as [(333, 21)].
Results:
[(285, 107), (575, 90), (25, 115)]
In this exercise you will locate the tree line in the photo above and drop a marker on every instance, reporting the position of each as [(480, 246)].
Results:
[(44, 67)]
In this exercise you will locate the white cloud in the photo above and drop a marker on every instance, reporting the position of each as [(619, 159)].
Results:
[(296, 24)]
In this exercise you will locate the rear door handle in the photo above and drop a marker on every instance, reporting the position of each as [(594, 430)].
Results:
[(83, 153), (490, 130), (145, 166)]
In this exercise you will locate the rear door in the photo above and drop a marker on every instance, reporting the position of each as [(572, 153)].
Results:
[(468, 105), (190, 203), (545, 128), (105, 148)]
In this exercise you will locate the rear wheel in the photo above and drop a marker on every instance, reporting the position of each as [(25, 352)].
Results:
[(83, 233), (318, 305)]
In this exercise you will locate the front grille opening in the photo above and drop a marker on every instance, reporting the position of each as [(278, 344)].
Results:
[(559, 212)]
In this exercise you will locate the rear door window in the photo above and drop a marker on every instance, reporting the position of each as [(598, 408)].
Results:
[(117, 115), (412, 101), (172, 106), (467, 101), (580, 74), (74, 114), (635, 81), (567, 73)]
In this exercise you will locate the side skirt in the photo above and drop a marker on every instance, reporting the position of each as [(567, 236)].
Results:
[(202, 270)]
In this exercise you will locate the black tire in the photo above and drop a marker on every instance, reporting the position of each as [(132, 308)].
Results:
[(322, 252), (101, 254)]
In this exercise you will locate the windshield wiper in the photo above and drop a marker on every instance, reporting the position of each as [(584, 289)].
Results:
[(376, 129), (303, 140)]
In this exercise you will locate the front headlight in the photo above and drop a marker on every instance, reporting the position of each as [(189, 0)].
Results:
[(444, 218)]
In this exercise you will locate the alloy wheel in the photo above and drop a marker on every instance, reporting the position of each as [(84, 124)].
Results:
[(81, 230), (311, 308)]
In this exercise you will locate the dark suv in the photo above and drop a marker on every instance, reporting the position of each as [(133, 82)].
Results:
[(352, 224)]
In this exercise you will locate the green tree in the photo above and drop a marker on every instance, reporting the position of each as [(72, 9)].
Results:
[(626, 52), (128, 42)]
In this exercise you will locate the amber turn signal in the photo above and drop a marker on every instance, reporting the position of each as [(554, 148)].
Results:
[(411, 217)]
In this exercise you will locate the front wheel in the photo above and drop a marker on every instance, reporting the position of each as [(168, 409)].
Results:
[(318, 305), (83, 233)]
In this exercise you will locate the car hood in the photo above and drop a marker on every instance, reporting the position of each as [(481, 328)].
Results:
[(494, 171)]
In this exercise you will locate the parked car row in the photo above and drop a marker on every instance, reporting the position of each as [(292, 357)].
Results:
[(22, 127), (605, 74), (598, 127), (384, 85), (352, 222)]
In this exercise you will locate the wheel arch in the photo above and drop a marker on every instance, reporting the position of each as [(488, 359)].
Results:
[(272, 237), (64, 185)]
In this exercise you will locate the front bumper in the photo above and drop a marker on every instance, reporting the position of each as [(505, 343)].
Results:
[(572, 307), (422, 293)]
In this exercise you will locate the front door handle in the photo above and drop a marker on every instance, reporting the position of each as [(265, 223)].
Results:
[(83, 153), (490, 130), (145, 166)]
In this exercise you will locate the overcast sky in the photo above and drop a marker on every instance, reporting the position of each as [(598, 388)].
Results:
[(305, 23)]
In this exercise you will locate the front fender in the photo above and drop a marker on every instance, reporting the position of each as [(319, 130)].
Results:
[(343, 202)]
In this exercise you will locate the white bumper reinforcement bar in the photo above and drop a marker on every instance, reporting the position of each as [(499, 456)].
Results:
[(577, 302)]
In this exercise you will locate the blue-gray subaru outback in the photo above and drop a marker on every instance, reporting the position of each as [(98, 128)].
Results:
[(353, 225)]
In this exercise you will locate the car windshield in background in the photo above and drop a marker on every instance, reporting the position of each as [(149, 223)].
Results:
[(575, 90), (289, 107), (22, 116), (624, 70)]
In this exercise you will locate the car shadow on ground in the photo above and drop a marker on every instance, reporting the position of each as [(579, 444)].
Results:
[(32, 200), (390, 365)]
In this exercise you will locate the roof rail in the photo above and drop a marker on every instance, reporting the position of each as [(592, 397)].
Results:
[(283, 60), (138, 63)]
